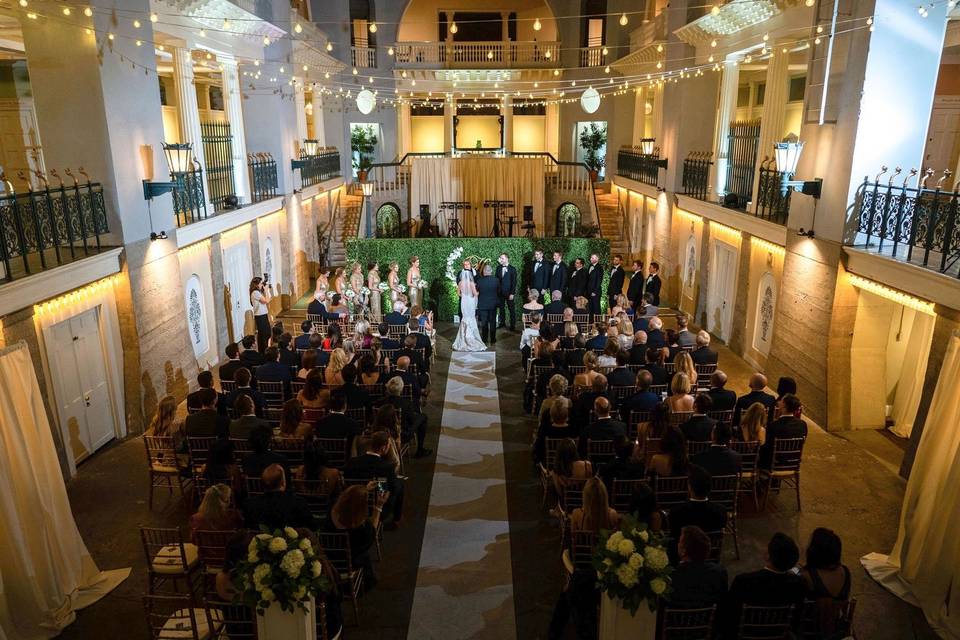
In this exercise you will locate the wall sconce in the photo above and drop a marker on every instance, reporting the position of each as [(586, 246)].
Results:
[(308, 150), (788, 155), (647, 149), (179, 159)]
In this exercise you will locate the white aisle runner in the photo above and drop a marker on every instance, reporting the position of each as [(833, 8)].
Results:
[(464, 583)]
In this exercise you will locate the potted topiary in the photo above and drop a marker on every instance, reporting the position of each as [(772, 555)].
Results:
[(592, 140), (362, 143)]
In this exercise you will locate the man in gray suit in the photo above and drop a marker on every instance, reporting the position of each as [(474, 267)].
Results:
[(488, 298)]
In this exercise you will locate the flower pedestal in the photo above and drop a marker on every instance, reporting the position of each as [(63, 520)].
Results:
[(277, 624), (616, 623)]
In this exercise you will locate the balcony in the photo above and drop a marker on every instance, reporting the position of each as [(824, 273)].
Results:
[(363, 57), (322, 166), (918, 225), (696, 175), (772, 204), (43, 228), (592, 56), (263, 176), (636, 165), (477, 55)]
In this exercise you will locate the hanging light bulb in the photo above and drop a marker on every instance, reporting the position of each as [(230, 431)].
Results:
[(226, 24), (453, 27), (136, 24), (110, 36), (819, 28), (490, 55), (606, 69), (870, 19), (67, 11), (403, 74), (354, 71), (160, 47), (623, 20), (766, 37), (556, 72), (713, 43), (326, 75), (548, 54), (536, 85), (390, 51), (715, 10), (659, 65), (536, 25), (370, 79), (281, 69), (816, 40), (87, 11), (305, 68), (604, 51), (298, 28), (329, 46), (203, 33), (413, 83), (139, 43), (24, 3), (710, 59), (659, 48), (373, 27), (266, 41)]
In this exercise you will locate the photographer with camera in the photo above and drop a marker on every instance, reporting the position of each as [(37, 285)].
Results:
[(260, 297)]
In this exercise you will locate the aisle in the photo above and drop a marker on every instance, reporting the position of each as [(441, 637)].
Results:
[(464, 582)]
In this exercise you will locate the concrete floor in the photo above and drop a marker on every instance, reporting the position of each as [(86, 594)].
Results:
[(849, 484)]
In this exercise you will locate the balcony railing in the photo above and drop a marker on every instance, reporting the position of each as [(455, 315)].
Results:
[(363, 57), (696, 175), (592, 56), (477, 55), (218, 156), (633, 164), (41, 229), (263, 176), (189, 203), (918, 225), (320, 167), (772, 204)]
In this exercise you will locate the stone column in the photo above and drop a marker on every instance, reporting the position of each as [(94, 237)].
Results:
[(187, 107), (552, 124), (507, 111), (232, 93), (505, 30), (725, 110), (299, 102), (639, 114), (657, 128), (319, 133), (449, 112), (403, 129), (774, 108)]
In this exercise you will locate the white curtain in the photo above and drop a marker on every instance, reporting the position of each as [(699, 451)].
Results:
[(46, 572), (924, 566), (473, 180), (912, 372)]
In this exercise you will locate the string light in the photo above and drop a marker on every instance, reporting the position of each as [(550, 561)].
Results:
[(373, 27), (390, 51), (453, 27), (139, 43), (23, 3), (606, 69), (87, 11), (623, 20), (306, 68), (354, 71), (266, 40), (713, 43), (548, 54), (110, 36), (556, 72), (819, 28), (298, 28), (67, 11), (329, 46), (203, 33), (659, 48), (892, 294), (490, 55), (604, 51), (226, 24), (536, 25), (153, 17), (136, 24), (715, 10), (33, 16)]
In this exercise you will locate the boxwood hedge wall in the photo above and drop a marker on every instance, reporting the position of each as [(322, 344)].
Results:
[(433, 253)]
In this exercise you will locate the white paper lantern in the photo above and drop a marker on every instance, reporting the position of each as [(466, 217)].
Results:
[(590, 100), (366, 101)]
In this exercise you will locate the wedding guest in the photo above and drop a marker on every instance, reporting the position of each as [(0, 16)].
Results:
[(228, 368), (276, 508), (314, 395), (682, 362), (753, 424), (723, 399), (291, 420), (680, 400), (559, 427), (672, 458), (697, 581), (334, 337), (609, 356), (785, 385), (703, 354), (827, 581), (697, 510), (337, 307), (532, 304), (351, 514), (556, 387), (788, 425), (307, 363), (758, 382), (643, 507), (568, 466), (164, 422), (719, 459), (776, 584), (215, 513), (621, 375), (596, 512), (627, 465), (642, 399), (528, 337), (590, 362), (338, 360), (699, 426)]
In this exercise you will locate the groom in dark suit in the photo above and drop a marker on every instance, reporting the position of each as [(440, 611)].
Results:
[(507, 277), (594, 285), (540, 274), (488, 298), (615, 287)]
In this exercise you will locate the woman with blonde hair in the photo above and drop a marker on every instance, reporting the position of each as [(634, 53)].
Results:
[(393, 280), (532, 304), (622, 304), (351, 514), (596, 513), (683, 363), (591, 363), (373, 283), (216, 513), (625, 328), (413, 281), (680, 400), (362, 334), (753, 423), (338, 360), (164, 422), (556, 388), (339, 281)]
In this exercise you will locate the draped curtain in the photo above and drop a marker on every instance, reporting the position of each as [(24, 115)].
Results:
[(910, 386), (473, 180), (46, 572), (924, 566)]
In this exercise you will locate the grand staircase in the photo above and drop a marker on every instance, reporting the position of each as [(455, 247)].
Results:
[(610, 222), (346, 226)]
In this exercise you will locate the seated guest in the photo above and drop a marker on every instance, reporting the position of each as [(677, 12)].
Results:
[(337, 307), (422, 343), (583, 405), (559, 427), (275, 332), (654, 364), (722, 399), (574, 357), (249, 356), (288, 354), (673, 348), (272, 370), (206, 423), (568, 336), (641, 322), (316, 468), (586, 378), (414, 357), (276, 508), (323, 356), (642, 400), (221, 464), (599, 341), (351, 513), (411, 419), (581, 305), (596, 513), (788, 425), (302, 341), (377, 354), (334, 338), (703, 354), (609, 356), (331, 373), (369, 371), (753, 424), (556, 305), (291, 421), (557, 383), (785, 385), (242, 379), (776, 584), (638, 352), (204, 381), (683, 363), (697, 580), (827, 581), (228, 368), (685, 337), (403, 372), (372, 465), (621, 375), (643, 507), (672, 457), (215, 513), (557, 369), (308, 362), (356, 397), (603, 427), (719, 459), (697, 510), (700, 426), (398, 316), (528, 336), (548, 339), (246, 422), (758, 383), (314, 395), (680, 399), (336, 424), (568, 466), (532, 304), (626, 466), (560, 328), (317, 308), (656, 339), (386, 341)]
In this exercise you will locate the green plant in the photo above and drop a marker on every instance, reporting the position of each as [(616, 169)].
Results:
[(363, 141), (592, 140), (587, 231)]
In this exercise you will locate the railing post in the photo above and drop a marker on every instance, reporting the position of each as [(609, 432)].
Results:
[(948, 234)]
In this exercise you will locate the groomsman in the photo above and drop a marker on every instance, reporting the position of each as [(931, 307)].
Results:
[(577, 284), (594, 285), (558, 273), (615, 288), (507, 276), (540, 275), (652, 285), (487, 295), (635, 288)]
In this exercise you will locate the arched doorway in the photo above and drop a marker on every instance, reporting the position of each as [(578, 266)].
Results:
[(568, 219), (388, 220)]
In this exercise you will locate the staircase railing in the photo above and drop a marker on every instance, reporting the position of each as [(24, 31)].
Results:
[(325, 234)]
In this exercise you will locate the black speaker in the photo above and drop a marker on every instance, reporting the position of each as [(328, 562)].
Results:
[(528, 213), (425, 212)]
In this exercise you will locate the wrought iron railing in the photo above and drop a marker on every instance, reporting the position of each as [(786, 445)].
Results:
[(696, 174), (218, 156), (189, 203), (742, 143), (263, 176), (320, 167), (633, 164), (918, 224), (772, 203), (46, 227)]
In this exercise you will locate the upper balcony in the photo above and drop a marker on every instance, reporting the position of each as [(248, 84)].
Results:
[(477, 55)]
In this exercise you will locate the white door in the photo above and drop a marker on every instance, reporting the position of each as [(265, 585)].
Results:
[(942, 139), (77, 364), (723, 290), (20, 150), (237, 273)]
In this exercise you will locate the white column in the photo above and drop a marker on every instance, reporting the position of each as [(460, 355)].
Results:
[(299, 101), (639, 114), (231, 91), (319, 133), (774, 107), (449, 111), (187, 107), (507, 111), (404, 133), (552, 124), (657, 128), (725, 111)]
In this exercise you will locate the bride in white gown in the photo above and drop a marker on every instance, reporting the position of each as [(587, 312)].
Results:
[(468, 338)]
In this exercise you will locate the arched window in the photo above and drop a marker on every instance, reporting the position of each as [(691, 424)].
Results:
[(196, 317), (568, 219), (766, 306), (388, 220)]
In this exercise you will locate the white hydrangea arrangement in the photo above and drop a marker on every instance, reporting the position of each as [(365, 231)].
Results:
[(453, 259), (364, 291), (402, 288), (350, 294), (632, 565), (423, 284), (383, 286), (282, 568)]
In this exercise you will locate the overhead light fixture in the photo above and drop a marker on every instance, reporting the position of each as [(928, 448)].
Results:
[(153, 16), (390, 51), (536, 25), (788, 156), (373, 27), (624, 20), (453, 27), (329, 46)]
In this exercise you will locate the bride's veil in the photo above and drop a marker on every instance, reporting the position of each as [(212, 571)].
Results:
[(466, 276)]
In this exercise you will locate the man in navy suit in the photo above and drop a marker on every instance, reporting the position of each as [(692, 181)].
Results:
[(316, 308), (302, 341), (635, 288), (488, 299), (558, 273), (653, 284), (595, 284), (540, 274), (275, 371), (507, 278), (617, 276)]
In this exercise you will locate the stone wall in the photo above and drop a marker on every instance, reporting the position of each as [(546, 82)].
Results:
[(741, 309)]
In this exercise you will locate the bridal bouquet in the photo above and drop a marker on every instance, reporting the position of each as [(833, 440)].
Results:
[(281, 568), (383, 286), (632, 565), (423, 284), (402, 288), (364, 291), (350, 293)]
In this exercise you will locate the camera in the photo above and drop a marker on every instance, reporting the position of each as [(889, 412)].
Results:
[(266, 279)]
